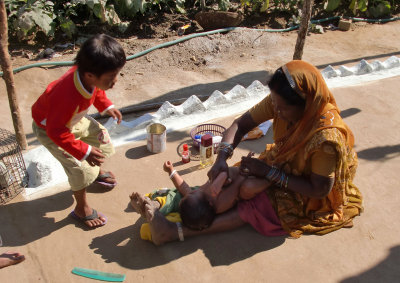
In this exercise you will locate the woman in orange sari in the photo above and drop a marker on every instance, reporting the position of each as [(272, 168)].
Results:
[(303, 183)]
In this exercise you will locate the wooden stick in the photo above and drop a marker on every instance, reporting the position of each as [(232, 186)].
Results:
[(8, 77), (305, 22)]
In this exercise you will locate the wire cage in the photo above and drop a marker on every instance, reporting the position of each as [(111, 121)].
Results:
[(13, 174)]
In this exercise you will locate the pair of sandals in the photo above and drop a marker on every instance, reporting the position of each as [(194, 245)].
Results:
[(107, 180)]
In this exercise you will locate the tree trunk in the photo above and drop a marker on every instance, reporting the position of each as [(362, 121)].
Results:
[(8, 77), (305, 22)]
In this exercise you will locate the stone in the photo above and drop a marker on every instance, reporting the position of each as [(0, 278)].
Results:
[(344, 25), (218, 19)]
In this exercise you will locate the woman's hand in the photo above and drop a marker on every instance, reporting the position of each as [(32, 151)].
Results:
[(219, 166), (253, 166), (168, 167)]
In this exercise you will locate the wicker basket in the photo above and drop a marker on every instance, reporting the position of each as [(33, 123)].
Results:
[(213, 129)]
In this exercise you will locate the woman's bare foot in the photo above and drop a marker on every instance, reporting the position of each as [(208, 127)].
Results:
[(162, 230), (10, 258)]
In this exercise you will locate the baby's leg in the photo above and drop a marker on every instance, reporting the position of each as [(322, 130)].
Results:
[(252, 187), (162, 230), (138, 203)]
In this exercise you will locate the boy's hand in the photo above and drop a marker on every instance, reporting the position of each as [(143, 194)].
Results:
[(95, 158), (168, 167), (116, 114)]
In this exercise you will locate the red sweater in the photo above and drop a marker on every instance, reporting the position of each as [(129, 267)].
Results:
[(62, 105)]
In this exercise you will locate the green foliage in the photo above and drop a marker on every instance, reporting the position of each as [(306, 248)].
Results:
[(374, 8), (129, 8), (382, 8), (290, 6), (255, 5), (331, 5), (27, 18), (223, 5)]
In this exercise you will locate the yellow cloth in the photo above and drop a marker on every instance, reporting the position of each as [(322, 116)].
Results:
[(145, 232), (320, 130), (162, 200), (255, 133)]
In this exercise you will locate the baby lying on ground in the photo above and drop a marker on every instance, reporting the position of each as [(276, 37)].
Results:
[(196, 207)]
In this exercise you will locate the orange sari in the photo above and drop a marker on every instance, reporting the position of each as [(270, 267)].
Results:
[(292, 151)]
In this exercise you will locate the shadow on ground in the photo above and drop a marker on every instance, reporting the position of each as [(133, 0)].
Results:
[(349, 112), (380, 153), (32, 214), (386, 271), (218, 248)]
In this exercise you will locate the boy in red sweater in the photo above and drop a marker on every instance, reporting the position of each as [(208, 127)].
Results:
[(76, 140)]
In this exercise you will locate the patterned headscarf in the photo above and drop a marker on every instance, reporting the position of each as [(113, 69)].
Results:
[(320, 110)]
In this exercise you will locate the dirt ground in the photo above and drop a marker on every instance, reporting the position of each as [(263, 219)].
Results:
[(369, 252), (204, 64)]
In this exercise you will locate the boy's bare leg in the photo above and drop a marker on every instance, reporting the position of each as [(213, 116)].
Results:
[(164, 231), (10, 258), (137, 203), (82, 209)]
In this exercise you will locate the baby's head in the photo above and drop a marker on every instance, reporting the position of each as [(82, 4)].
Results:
[(196, 210)]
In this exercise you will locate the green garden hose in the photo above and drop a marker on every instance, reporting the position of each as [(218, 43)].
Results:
[(222, 30)]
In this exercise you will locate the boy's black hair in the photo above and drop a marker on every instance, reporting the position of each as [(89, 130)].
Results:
[(100, 54), (280, 85), (196, 212)]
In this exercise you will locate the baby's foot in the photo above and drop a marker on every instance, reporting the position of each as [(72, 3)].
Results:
[(137, 202)]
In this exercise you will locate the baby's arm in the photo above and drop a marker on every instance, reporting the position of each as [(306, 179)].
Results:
[(229, 195), (179, 183)]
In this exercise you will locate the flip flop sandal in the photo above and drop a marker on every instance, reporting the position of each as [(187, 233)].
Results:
[(92, 216), (100, 180)]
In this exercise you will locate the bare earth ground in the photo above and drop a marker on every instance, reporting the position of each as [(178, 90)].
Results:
[(369, 252)]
